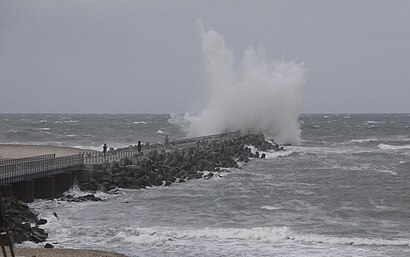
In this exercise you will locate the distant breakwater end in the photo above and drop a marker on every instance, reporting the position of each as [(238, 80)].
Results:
[(177, 165)]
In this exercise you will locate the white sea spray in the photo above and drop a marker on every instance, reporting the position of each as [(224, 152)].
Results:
[(257, 94)]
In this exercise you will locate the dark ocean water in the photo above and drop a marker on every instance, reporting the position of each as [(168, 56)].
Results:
[(88, 131), (345, 191)]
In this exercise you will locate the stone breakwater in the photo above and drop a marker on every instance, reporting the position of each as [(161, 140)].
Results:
[(22, 222), (154, 169), (177, 165)]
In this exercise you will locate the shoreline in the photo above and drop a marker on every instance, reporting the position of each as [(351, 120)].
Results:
[(15, 151), (63, 252)]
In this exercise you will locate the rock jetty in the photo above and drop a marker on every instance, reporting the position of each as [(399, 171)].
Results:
[(176, 165), (142, 171), (22, 222)]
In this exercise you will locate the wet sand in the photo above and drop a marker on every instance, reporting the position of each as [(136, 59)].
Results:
[(55, 252), (22, 151)]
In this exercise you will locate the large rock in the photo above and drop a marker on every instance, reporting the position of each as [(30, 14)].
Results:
[(19, 217)]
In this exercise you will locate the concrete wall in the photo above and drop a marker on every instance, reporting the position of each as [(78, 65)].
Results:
[(42, 188)]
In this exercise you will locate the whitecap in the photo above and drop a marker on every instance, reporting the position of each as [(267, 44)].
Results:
[(161, 132), (388, 172), (141, 122), (155, 235), (162, 235), (375, 122), (277, 154), (40, 121), (365, 140), (393, 147), (350, 240), (271, 208)]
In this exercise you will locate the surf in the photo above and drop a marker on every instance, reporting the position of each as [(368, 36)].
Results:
[(254, 94)]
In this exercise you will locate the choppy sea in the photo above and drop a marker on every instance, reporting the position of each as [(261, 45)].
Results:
[(345, 191)]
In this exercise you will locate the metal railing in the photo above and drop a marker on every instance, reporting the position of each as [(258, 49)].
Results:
[(115, 155), (37, 168), (182, 143), (128, 152), (28, 159), (118, 154)]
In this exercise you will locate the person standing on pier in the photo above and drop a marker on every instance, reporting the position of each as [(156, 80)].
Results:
[(139, 148), (104, 149), (166, 141)]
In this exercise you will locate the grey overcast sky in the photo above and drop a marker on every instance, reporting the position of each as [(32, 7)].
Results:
[(101, 56)]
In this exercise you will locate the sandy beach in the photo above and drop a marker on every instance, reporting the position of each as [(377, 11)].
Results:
[(55, 252), (21, 151)]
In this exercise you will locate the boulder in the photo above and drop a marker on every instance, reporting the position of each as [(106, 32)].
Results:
[(26, 226), (19, 218)]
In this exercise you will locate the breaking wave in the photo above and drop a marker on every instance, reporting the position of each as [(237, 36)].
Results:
[(255, 94), (393, 147)]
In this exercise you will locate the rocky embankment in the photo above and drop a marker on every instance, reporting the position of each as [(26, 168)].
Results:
[(154, 169), (22, 222), (177, 165), (24, 225)]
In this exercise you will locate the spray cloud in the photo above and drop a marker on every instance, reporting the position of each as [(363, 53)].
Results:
[(256, 94)]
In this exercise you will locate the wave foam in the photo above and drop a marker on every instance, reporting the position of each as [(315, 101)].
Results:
[(393, 147), (388, 172), (141, 122), (271, 208), (365, 140), (272, 154), (159, 236), (39, 121), (277, 154), (253, 94), (75, 191)]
